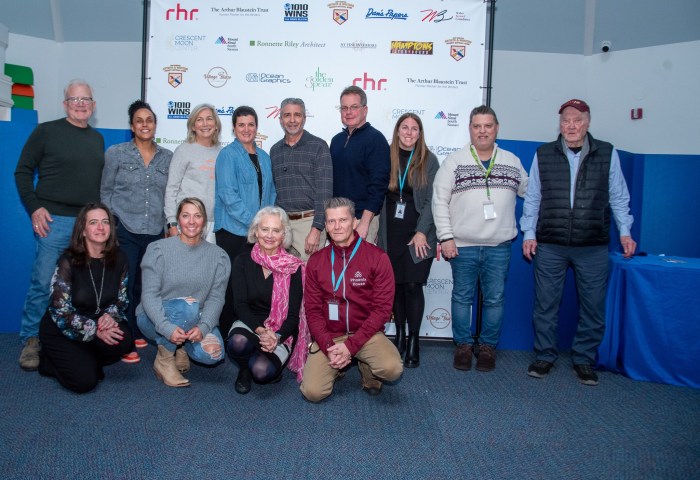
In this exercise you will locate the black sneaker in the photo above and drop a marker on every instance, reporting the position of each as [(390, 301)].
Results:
[(586, 375), (539, 368)]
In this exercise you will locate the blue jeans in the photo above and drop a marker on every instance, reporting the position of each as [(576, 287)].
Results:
[(185, 316), (47, 252), (134, 245), (490, 266), (591, 272)]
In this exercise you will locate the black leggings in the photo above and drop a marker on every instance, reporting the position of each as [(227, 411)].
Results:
[(409, 303), (244, 348), (233, 245)]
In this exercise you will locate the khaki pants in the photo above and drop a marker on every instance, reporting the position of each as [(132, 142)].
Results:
[(379, 354), (300, 229), (373, 230)]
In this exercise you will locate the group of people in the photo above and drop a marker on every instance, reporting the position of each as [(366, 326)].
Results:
[(311, 250)]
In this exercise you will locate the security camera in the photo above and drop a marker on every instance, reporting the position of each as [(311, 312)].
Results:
[(605, 46)]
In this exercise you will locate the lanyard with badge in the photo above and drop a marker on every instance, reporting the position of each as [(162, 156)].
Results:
[(489, 210), (333, 303), (401, 205)]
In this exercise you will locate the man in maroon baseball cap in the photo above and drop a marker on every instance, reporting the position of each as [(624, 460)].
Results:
[(575, 182)]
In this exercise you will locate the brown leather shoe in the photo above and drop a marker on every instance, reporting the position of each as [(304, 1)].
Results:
[(463, 357), (486, 361), (370, 384)]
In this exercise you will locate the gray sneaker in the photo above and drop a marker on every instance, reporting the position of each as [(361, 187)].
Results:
[(29, 358)]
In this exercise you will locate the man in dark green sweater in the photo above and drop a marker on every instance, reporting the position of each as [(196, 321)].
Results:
[(67, 155)]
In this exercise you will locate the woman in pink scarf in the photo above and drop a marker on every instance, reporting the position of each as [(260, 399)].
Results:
[(270, 331)]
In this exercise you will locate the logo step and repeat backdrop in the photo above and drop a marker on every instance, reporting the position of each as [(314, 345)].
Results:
[(425, 57)]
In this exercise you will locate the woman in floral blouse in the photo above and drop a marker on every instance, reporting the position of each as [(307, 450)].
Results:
[(84, 327)]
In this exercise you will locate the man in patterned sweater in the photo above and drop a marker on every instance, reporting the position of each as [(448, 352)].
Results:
[(474, 210)]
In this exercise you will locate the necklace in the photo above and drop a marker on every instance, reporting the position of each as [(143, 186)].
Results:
[(98, 296)]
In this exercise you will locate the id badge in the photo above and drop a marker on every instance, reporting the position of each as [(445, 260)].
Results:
[(400, 209), (489, 211), (333, 313)]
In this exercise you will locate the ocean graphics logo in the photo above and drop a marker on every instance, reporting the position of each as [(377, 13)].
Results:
[(318, 79), (442, 150), (458, 47), (296, 12), (439, 318), (452, 118), (175, 74), (411, 48), (341, 11), (179, 13), (231, 43), (266, 78), (389, 14), (178, 110), (217, 77), (368, 83)]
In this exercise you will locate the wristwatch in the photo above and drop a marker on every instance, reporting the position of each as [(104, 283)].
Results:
[(171, 224)]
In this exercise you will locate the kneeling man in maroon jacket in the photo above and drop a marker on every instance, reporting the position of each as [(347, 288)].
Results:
[(348, 296)]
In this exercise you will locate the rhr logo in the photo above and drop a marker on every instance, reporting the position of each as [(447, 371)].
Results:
[(373, 84), (186, 14)]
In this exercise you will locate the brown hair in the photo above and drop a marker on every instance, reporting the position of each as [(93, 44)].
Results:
[(418, 170), (77, 248)]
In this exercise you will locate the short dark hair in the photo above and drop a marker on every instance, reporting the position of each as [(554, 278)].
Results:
[(244, 111), (340, 202), (483, 110), (138, 105), (76, 247), (355, 90)]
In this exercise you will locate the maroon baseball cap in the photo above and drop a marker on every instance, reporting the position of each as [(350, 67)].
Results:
[(579, 105)]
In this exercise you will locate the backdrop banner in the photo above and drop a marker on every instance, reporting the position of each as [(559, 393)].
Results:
[(409, 56)]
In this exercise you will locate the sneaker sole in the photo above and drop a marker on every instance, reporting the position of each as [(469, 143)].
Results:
[(142, 344), (537, 375)]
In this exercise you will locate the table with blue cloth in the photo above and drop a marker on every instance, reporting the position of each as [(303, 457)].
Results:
[(653, 319)]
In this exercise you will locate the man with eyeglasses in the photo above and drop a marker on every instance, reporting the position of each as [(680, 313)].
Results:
[(303, 174), (67, 155), (361, 162), (575, 182)]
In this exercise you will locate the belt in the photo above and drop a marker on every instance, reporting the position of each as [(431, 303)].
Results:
[(300, 215)]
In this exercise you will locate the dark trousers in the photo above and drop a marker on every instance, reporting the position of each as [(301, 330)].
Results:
[(134, 245), (590, 266), (233, 245), (77, 365)]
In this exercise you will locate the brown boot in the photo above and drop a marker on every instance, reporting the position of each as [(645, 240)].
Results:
[(463, 357), (182, 360), (370, 384), (165, 370)]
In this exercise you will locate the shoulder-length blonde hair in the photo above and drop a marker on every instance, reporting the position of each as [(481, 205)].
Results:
[(191, 136), (418, 170), (284, 218)]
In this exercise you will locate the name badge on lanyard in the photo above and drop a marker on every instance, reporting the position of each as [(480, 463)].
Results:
[(400, 210), (333, 313)]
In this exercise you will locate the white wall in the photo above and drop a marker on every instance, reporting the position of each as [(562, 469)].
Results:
[(112, 68), (663, 80)]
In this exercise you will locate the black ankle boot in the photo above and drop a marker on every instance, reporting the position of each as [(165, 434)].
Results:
[(412, 354), (244, 380), (400, 338)]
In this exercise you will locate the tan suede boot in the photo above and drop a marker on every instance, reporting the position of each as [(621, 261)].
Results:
[(165, 370), (182, 360)]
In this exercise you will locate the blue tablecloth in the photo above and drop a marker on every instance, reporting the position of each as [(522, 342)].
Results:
[(653, 320)]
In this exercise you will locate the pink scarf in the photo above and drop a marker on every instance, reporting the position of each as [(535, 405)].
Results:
[(282, 266)]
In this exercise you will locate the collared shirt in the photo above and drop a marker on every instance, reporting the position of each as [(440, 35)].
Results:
[(133, 191), (617, 189), (303, 175)]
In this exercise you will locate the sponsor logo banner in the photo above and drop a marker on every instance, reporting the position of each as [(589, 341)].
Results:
[(458, 47), (266, 78), (411, 48), (357, 45), (217, 77), (231, 43), (226, 111), (318, 79), (287, 44), (439, 318), (382, 14), (397, 112), (341, 11), (368, 83), (175, 74), (178, 110), (296, 12), (185, 43), (452, 118), (239, 12), (436, 82)]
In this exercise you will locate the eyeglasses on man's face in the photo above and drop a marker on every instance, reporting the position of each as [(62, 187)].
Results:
[(79, 100), (351, 108)]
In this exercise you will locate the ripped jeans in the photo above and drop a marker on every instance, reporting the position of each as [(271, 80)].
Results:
[(185, 315)]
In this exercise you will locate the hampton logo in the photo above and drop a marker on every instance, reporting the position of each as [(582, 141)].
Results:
[(318, 79), (358, 280), (439, 318), (178, 110), (185, 43), (266, 78), (435, 82), (217, 77), (390, 14), (458, 47), (452, 118), (175, 74), (287, 44), (411, 48), (231, 43), (397, 112), (358, 45), (438, 286), (296, 12), (368, 83), (179, 13), (239, 12), (226, 111), (341, 11)]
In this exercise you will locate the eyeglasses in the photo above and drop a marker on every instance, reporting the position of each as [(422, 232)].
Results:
[(79, 100), (351, 108)]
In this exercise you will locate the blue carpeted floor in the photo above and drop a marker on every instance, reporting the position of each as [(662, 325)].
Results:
[(436, 422)]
